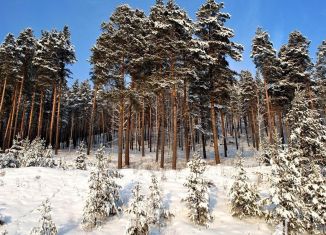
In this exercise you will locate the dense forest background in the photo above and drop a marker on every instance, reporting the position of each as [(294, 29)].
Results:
[(159, 82)]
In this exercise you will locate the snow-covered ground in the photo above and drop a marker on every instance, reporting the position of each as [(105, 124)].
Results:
[(23, 190)]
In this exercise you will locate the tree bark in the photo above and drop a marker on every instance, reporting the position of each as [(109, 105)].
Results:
[(143, 130), (175, 129), (31, 117), (3, 96), (224, 135), (57, 132), (214, 129), (127, 159), (120, 132), (40, 116), (90, 132), (162, 130), (54, 103)]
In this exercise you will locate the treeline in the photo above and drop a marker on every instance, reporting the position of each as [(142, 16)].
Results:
[(160, 82)]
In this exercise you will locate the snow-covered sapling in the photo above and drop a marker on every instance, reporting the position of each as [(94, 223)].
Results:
[(197, 200), (96, 210), (243, 196), (81, 157), (46, 225), (156, 212), (139, 224)]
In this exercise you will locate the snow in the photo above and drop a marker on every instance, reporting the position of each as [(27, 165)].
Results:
[(24, 189)]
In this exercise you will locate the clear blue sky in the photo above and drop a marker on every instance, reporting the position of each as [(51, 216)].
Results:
[(278, 17)]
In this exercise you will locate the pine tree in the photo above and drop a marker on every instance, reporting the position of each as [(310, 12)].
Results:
[(197, 200), (81, 157), (211, 29), (244, 197), (296, 64), (268, 65), (46, 225), (249, 103), (320, 74), (112, 191), (314, 194), (139, 224), (308, 134), (307, 147), (156, 212), (285, 203)]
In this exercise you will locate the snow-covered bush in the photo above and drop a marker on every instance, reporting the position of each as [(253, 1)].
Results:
[(314, 196), (284, 204), (157, 214), (103, 199), (139, 224), (37, 155), (197, 200), (81, 157), (12, 157), (46, 225), (8, 160), (243, 196), (112, 191)]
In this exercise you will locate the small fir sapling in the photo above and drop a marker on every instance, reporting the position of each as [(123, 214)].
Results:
[(81, 157), (197, 200), (156, 211), (46, 225), (139, 219), (244, 197)]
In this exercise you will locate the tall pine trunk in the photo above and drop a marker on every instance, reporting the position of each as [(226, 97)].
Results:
[(57, 132), (174, 128), (90, 132), (3, 96), (143, 130), (127, 160), (224, 135), (31, 113), (120, 132), (186, 122), (54, 102), (162, 130), (214, 129), (40, 115)]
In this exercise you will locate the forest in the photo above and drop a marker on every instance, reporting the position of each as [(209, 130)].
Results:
[(161, 85)]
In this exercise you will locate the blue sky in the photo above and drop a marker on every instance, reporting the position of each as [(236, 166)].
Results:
[(278, 17)]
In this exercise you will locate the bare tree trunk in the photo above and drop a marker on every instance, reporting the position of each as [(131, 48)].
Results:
[(186, 122), (6, 139), (158, 129), (31, 117), (90, 132), (54, 103), (281, 126), (40, 116), (127, 160), (224, 135), (12, 119), (150, 129), (175, 129), (162, 130), (214, 129), (270, 132), (18, 105), (120, 132), (57, 132), (22, 123), (3, 96), (143, 130)]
